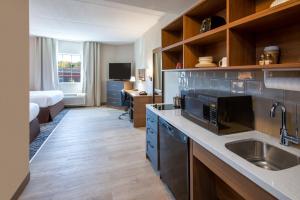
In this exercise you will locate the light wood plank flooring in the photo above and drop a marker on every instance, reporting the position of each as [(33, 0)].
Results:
[(93, 155)]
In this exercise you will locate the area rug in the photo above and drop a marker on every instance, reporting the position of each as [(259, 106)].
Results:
[(46, 130)]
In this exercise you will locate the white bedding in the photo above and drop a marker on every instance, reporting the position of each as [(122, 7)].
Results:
[(46, 98), (34, 110)]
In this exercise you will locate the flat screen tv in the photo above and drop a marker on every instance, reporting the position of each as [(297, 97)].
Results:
[(119, 71)]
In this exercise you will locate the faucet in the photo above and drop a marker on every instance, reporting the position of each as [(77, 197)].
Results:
[(285, 138)]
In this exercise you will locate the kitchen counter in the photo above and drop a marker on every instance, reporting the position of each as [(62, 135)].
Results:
[(283, 184)]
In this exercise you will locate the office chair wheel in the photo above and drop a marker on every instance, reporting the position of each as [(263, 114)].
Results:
[(123, 114)]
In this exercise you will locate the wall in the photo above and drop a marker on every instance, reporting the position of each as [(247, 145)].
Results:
[(249, 83), (143, 48), (14, 86), (110, 54)]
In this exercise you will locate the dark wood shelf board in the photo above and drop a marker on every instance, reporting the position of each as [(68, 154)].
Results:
[(283, 66), (174, 47), (212, 36)]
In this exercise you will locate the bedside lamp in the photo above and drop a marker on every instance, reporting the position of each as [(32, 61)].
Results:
[(132, 79)]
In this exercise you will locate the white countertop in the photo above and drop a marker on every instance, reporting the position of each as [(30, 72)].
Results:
[(283, 184)]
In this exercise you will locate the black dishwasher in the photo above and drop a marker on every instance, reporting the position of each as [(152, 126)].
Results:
[(174, 160)]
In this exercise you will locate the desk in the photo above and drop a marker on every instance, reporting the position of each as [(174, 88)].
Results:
[(137, 108)]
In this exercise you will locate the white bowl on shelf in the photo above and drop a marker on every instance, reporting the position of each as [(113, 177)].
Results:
[(206, 59), (206, 65)]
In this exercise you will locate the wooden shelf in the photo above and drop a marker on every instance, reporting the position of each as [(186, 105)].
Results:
[(174, 47), (192, 19), (173, 33), (282, 66), (215, 35), (240, 68), (251, 26), (267, 19), (172, 55), (211, 43)]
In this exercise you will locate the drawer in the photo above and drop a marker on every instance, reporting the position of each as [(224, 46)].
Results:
[(114, 94), (114, 85), (152, 121), (152, 154), (114, 102), (152, 136)]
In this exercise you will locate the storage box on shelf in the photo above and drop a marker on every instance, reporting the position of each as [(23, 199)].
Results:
[(251, 26)]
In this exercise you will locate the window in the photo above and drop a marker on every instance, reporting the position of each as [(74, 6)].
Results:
[(69, 67), (69, 62)]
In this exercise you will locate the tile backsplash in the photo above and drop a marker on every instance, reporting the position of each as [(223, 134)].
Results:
[(249, 83)]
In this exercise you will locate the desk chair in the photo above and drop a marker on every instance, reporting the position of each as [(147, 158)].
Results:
[(125, 101)]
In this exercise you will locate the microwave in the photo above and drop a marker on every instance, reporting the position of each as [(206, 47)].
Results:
[(218, 111)]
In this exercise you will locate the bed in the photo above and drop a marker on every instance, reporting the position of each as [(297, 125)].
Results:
[(34, 124), (50, 103)]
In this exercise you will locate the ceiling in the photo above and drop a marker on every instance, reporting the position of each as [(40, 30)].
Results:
[(167, 6), (108, 21)]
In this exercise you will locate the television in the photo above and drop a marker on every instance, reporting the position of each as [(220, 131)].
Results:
[(120, 71)]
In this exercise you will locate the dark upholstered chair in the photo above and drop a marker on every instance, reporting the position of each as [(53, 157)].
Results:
[(125, 101)]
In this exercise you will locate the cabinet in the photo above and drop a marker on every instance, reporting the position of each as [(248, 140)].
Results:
[(211, 178), (152, 139), (113, 91), (137, 108)]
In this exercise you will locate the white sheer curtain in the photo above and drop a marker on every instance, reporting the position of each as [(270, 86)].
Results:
[(91, 73), (43, 65), (35, 70)]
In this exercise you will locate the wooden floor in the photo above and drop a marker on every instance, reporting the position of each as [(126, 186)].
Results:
[(93, 155)]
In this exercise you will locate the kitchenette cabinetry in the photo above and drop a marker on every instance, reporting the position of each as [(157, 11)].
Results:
[(152, 139), (211, 178)]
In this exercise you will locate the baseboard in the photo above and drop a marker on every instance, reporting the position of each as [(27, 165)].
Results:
[(21, 187)]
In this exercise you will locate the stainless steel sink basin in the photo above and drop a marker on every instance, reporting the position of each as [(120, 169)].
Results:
[(263, 155)]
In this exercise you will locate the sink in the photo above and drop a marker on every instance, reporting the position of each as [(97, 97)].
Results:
[(263, 154)]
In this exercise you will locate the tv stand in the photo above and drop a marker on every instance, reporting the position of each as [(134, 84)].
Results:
[(113, 91)]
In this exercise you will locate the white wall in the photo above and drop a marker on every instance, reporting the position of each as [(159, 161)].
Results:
[(143, 48), (111, 54), (14, 86)]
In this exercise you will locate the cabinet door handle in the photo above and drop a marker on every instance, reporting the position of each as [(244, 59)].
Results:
[(169, 128), (151, 131), (150, 120), (148, 142)]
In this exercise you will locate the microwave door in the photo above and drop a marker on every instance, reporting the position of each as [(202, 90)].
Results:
[(197, 108)]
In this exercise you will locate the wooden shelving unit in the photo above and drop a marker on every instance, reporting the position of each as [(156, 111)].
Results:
[(250, 26)]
